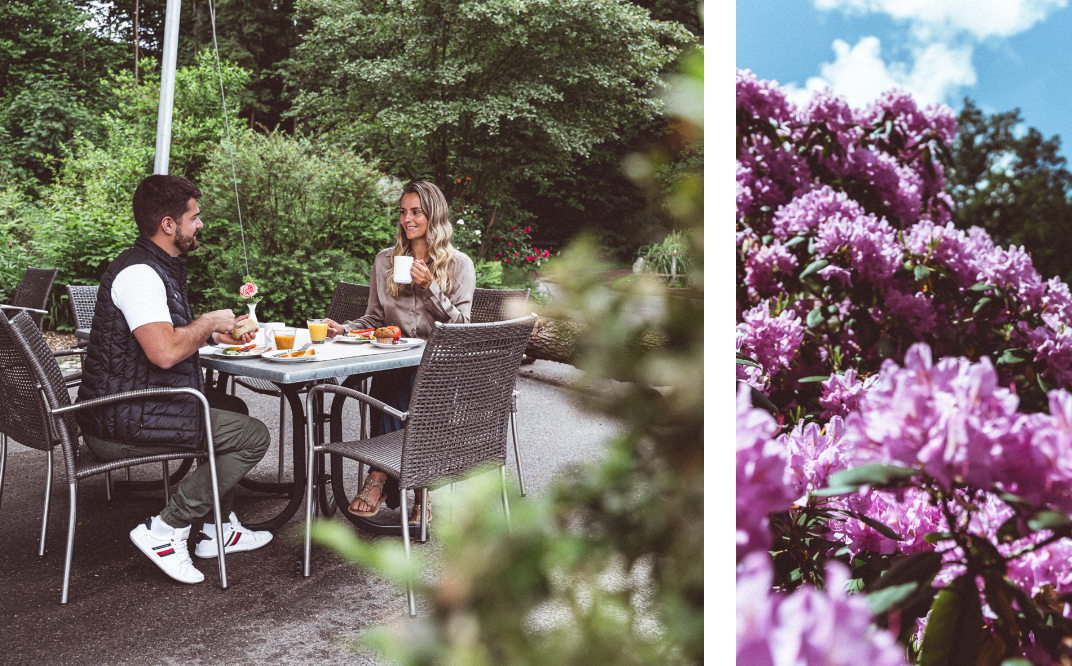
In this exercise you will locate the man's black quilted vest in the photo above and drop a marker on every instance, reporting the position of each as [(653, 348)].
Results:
[(116, 363)]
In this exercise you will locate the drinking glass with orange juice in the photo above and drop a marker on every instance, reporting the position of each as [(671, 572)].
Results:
[(284, 338), (318, 330)]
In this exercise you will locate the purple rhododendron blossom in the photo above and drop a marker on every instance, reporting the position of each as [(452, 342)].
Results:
[(761, 473), (815, 452), (809, 627), (811, 208), (842, 393), (945, 416), (870, 245), (771, 341)]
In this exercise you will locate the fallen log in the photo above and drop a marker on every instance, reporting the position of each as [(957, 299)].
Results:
[(556, 340), (553, 340)]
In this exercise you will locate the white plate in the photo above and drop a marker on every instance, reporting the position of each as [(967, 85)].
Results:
[(253, 353), (403, 343), (277, 354), (344, 338)]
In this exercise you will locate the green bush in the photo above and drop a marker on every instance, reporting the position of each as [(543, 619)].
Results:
[(312, 215), (658, 260)]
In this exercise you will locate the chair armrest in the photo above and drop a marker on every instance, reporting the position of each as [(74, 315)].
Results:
[(122, 397), (19, 307), (356, 395), (70, 352)]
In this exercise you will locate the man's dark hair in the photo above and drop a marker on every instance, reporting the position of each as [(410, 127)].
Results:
[(158, 197)]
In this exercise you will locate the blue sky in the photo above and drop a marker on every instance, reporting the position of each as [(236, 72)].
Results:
[(1003, 54)]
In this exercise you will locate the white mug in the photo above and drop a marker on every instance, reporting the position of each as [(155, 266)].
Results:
[(269, 339), (402, 267)]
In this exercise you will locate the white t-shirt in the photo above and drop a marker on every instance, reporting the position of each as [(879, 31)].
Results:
[(139, 294)]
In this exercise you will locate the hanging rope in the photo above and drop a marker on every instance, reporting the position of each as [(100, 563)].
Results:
[(227, 124)]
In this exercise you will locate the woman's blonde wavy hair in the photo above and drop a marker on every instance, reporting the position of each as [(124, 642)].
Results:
[(440, 251)]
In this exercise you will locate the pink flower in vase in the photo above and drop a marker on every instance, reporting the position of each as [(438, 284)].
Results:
[(248, 290)]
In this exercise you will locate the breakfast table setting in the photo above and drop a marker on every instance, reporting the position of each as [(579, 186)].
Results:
[(347, 359)]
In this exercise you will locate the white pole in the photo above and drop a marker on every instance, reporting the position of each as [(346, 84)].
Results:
[(167, 87)]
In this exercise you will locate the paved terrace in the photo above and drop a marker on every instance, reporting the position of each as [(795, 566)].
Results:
[(124, 610)]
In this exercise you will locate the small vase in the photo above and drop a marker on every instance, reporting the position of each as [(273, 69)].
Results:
[(252, 311)]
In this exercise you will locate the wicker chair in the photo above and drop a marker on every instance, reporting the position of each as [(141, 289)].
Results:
[(82, 299), (498, 305), (349, 302), (40, 415), (456, 423), (32, 294)]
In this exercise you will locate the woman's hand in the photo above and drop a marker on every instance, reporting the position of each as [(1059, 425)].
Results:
[(335, 329), (420, 274)]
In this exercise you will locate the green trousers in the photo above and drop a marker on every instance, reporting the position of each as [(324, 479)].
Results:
[(240, 442)]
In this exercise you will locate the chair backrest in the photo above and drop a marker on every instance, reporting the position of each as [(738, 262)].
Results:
[(349, 302), (498, 304), (33, 291), (23, 417), (461, 400), (83, 302)]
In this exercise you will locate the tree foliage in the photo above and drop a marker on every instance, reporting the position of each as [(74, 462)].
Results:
[(51, 88), (1013, 185), (479, 96)]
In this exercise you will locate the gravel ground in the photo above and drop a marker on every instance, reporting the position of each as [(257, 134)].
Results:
[(125, 611)]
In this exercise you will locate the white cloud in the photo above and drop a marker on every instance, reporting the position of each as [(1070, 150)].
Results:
[(941, 39), (943, 19), (859, 73)]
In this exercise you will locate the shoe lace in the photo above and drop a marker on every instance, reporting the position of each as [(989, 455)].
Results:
[(179, 545)]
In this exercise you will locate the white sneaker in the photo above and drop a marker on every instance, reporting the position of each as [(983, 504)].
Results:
[(166, 547), (236, 538)]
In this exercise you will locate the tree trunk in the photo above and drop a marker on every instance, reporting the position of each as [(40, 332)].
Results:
[(556, 340)]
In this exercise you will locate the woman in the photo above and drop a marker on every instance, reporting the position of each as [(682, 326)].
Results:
[(441, 290)]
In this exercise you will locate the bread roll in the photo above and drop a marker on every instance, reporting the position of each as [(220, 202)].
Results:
[(243, 326)]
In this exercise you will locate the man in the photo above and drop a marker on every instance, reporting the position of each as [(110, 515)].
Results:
[(144, 336)]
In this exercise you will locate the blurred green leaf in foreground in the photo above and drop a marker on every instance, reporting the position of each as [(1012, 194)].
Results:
[(606, 566)]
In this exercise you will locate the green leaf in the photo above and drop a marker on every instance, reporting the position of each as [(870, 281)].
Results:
[(1010, 530), (983, 302), (1009, 357), (880, 528), (1016, 661), (813, 267), (921, 272), (955, 629), (792, 242), (813, 378), (875, 474), (886, 348), (767, 239), (982, 286), (1050, 520), (815, 317), (761, 401), (751, 364), (883, 600), (830, 491), (936, 537), (920, 568)]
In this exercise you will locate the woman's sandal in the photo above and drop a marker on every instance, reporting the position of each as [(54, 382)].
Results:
[(362, 496), (415, 518)]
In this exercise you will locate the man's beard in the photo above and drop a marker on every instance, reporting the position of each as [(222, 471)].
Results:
[(186, 243)]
